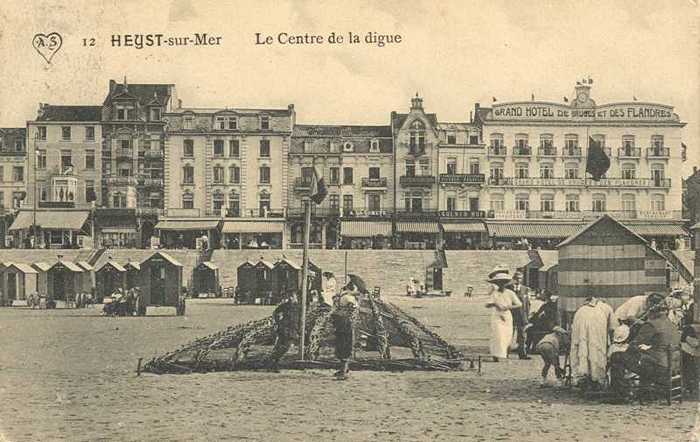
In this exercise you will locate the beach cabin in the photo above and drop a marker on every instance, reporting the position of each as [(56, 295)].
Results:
[(263, 282), (287, 278), (540, 271), (133, 274), (205, 279), (109, 277), (18, 281), (161, 280), (88, 276), (246, 282), (434, 272), (607, 260), (64, 280), (42, 280)]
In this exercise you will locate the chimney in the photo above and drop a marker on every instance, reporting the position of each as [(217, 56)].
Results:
[(112, 85), (695, 170), (42, 110), (471, 116), (290, 107), (179, 103)]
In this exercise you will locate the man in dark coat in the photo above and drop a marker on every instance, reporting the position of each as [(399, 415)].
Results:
[(344, 317), (286, 318), (520, 315)]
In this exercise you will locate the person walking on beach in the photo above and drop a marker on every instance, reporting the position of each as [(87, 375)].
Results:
[(344, 317), (520, 314), (593, 322), (502, 302)]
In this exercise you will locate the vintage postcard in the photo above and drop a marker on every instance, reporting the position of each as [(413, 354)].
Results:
[(349, 220)]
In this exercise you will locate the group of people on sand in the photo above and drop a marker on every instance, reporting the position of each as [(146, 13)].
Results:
[(123, 302)]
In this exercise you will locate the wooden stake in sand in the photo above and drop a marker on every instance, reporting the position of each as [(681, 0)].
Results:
[(305, 279)]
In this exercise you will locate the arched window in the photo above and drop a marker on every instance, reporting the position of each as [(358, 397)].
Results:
[(522, 170), (496, 146), (629, 171), (598, 200), (522, 201), (571, 170), (417, 137), (546, 170), (547, 202), (496, 172), (234, 204), (572, 203), (187, 200), (547, 144), (629, 202)]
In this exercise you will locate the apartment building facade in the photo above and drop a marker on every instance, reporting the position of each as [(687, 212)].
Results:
[(13, 175)]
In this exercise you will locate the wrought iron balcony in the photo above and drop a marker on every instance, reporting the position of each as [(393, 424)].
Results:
[(462, 178), (571, 152), (580, 182), (374, 182), (417, 180), (153, 182), (629, 152), (316, 212), (149, 211), (154, 154), (125, 153), (121, 180), (499, 151), (586, 215), (519, 151), (417, 214), (658, 152), (302, 184), (547, 151)]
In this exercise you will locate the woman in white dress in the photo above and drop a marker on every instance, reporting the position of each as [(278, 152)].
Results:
[(503, 300)]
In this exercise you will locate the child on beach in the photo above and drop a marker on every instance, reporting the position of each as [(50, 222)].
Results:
[(549, 348)]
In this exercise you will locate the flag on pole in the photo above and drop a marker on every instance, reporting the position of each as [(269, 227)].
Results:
[(318, 188), (597, 161)]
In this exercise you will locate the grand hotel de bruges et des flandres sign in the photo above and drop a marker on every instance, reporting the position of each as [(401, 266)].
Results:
[(538, 111)]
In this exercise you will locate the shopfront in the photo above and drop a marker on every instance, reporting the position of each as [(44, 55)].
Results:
[(188, 233), (417, 234), (365, 234), (253, 234)]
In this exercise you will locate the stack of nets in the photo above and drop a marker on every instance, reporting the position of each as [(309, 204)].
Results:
[(387, 338)]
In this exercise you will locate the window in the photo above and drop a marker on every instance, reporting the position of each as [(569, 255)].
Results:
[(125, 172), (234, 204), (451, 166), (629, 171), (125, 144), (374, 146), (188, 174), (234, 174), (629, 202), (496, 142), (189, 119), (65, 133), (417, 137), (18, 146), (218, 148), (522, 201), (658, 202), (522, 170), (2, 200), (547, 170), (218, 175), (18, 174), (374, 202), (473, 139), (234, 148), (521, 143), (334, 175), (264, 175), (451, 138), (307, 174), (66, 159), (43, 193), (41, 159), (347, 175), (155, 114), (220, 123), (42, 132), (628, 142), (373, 173), (188, 148), (233, 123), (90, 133), (451, 203), (348, 147), (657, 142), (572, 204), (188, 200), (265, 122), (497, 202), (264, 148), (90, 159), (474, 168), (410, 168), (598, 202), (347, 202), (90, 191), (334, 201), (217, 202), (496, 171), (2, 173), (657, 174), (571, 171), (599, 139), (264, 203), (547, 203), (546, 142), (424, 167), (118, 199), (571, 144), (17, 199)]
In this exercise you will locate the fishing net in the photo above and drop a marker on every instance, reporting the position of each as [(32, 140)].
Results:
[(387, 338)]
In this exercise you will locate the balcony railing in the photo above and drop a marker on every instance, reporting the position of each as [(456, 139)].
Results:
[(124, 152), (586, 215), (149, 211), (574, 182), (462, 178), (658, 152), (153, 154), (629, 152), (417, 180), (316, 212), (301, 183), (374, 182), (365, 213), (153, 182), (121, 180), (250, 213), (571, 152), (547, 151), (519, 151), (499, 151)]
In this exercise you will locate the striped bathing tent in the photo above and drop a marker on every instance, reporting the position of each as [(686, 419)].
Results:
[(608, 260)]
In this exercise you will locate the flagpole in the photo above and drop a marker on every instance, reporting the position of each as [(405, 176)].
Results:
[(305, 279)]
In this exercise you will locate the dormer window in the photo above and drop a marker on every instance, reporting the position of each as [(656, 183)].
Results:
[(220, 123), (417, 137), (374, 146), (226, 122), (264, 122), (348, 147), (188, 121), (155, 114), (233, 123)]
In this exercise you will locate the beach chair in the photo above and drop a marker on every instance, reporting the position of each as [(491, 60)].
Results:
[(468, 292), (669, 385)]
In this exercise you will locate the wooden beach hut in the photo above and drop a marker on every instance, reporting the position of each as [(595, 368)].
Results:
[(609, 261), (18, 281), (64, 280), (246, 282), (287, 278), (161, 281), (88, 276), (264, 283), (133, 274), (109, 277), (205, 279), (434, 272), (42, 280)]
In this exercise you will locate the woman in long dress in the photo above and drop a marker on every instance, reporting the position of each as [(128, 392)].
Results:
[(503, 300)]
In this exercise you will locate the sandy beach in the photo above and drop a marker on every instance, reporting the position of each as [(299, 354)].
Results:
[(70, 375)]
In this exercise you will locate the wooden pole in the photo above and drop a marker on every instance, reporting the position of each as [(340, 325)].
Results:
[(345, 281), (304, 281)]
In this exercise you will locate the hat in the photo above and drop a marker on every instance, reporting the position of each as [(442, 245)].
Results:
[(691, 345), (621, 334), (518, 274), (357, 282), (559, 330), (654, 299), (501, 268), (495, 277)]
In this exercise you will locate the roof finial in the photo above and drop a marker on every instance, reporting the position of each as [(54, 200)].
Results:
[(126, 86)]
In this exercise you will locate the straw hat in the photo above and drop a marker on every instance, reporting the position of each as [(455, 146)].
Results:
[(495, 277), (501, 268), (691, 345), (621, 334), (559, 330)]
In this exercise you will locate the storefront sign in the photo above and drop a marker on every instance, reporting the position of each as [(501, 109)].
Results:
[(557, 112)]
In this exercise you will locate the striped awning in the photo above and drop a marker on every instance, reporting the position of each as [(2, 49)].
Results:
[(656, 229), (255, 226), (172, 224), (51, 219), (365, 229), (417, 227), (466, 227), (119, 230), (533, 230)]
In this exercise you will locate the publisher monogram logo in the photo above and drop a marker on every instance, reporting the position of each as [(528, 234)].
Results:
[(47, 44)]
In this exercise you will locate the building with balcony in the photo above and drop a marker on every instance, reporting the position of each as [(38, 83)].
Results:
[(228, 165), (536, 167), (132, 154), (356, 163), (13, 174)]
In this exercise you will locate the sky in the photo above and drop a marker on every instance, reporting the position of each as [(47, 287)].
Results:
[(453, 53)]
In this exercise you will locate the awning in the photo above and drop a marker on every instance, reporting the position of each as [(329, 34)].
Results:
[(210, 265), (365, 229), (172, 224), (85, 266), (533, 230), (255, 226), (656, 229), (119, 230), (417, 227), (54, 219), (466, 227)]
